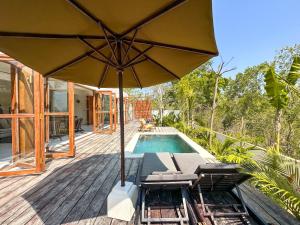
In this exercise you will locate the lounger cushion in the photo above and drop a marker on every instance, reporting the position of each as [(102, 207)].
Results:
[(188, 162), (160, 167)]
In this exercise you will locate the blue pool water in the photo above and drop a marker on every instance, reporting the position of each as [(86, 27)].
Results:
[(162, 143)]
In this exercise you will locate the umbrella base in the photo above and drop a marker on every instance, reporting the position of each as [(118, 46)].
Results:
[(121, 201)]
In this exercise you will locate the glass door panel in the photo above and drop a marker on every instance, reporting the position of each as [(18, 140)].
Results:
[(104, 112), (59, 118), (20, 149)]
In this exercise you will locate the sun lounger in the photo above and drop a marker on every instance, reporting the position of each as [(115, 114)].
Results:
[(145, 126), (159, 172), (213, 177)]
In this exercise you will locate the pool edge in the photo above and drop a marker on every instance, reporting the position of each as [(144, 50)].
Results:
[(198, 148)]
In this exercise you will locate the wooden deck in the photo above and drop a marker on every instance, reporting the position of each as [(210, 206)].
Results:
[(72, 190)]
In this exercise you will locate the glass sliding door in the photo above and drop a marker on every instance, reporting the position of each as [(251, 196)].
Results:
[(83, 104), (104, 119), (59, 118), (21, 151)]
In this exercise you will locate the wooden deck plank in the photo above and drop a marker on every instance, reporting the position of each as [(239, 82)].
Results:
[(111, 142), (94, 211), (81, 206), (13, 197), (9, 182), (34, 179), (51, 201), (60, 214), (102, 218), (45, 186), (266, 208)]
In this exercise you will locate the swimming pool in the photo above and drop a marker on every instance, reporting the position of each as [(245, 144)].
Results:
[(162, 143)]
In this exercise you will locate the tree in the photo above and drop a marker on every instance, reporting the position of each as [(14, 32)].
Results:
[(218, 73), (278, 90), (243, 100), (186, 92), (278, 96), (158, 93)]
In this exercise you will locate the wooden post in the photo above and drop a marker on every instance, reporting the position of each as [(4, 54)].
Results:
[(39, 122), (14, 146), (71, 119), (47, 109), (42, 123), (94, 111), (110, 114), (115, 112)]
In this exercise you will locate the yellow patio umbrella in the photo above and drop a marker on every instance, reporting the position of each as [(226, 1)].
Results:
[(109, 43)]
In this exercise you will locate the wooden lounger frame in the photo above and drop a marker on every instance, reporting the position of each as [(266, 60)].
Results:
[(183, 185), (207, 212)]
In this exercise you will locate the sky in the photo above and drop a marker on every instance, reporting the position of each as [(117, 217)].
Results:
[(251, 31)]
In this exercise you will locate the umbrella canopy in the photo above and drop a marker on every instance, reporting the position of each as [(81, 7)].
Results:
[(60, 38), (87, 41)]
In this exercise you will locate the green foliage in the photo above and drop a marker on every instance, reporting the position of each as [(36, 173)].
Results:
[(274, 175), (294, 73), (170, 119), (231, 152), (276, 90), (279, 178), (247, 105)]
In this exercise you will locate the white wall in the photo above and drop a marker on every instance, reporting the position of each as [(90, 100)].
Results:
[(80, 103)]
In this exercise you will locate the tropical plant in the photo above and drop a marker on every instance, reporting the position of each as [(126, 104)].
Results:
[(242, 106), (201, 137), (278, 96), (279, 178), (230, 151), (278, 89)]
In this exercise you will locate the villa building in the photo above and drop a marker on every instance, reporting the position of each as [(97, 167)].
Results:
[(40, 118)]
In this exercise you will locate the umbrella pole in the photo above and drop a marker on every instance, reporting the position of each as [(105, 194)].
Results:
[(121, 106)]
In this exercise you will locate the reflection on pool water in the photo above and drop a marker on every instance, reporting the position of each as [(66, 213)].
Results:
[(162, 143)]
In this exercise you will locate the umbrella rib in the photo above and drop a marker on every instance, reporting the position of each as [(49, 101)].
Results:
[(88, 14), (136, 62), (73, 61), (48, 36), (96, 51), (135, 76), (138, 56), (153, 16), (105, 71), (133, 71), (131, 43), (176, 47), (103, 76), (157, 63), (107, 40), (101, 60)]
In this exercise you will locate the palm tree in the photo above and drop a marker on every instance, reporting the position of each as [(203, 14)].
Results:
[(231, 152), (279, 178)]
